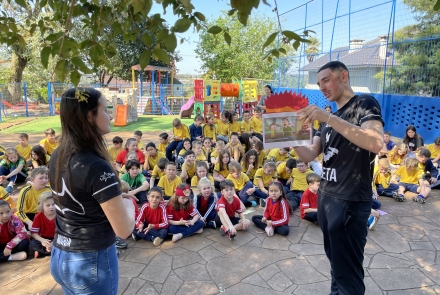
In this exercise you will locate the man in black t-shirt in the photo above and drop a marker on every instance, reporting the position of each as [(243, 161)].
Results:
[(349, 140)]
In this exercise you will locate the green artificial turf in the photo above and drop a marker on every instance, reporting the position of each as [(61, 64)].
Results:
[(144, 124)]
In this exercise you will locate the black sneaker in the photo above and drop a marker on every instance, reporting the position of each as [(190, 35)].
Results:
[(135, 238), (120, 243), (211, 224)]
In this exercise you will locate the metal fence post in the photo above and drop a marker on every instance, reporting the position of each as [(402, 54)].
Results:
[(25, 99), (49, 98)]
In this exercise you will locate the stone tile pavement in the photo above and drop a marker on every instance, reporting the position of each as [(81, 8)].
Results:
[(401, 258)]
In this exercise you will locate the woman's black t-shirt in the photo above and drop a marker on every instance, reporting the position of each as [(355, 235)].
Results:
[(415, 142), (348, 169), (81, 225)]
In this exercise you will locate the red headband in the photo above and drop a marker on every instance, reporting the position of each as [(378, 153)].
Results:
[(183, 192)]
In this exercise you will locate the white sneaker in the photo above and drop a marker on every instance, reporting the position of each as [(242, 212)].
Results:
[(199, 231), (269, 230), (372, 222), (157, 241), (176, 237)]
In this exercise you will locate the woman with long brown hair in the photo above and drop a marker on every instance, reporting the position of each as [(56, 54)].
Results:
[(88, 198)]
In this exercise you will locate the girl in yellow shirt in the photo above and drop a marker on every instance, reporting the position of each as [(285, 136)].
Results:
[(263, 177), (224, 126), (209, 129), (221, 170)]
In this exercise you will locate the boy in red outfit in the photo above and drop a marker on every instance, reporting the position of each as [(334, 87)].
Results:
[(309, 199)]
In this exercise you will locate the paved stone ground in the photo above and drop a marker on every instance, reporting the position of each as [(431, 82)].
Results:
[(401, 257)]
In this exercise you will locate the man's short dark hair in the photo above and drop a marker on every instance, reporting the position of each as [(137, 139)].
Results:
[(334, 66)]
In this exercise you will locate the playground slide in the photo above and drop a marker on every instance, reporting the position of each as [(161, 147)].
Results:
[(121, 115), (164, 107), (11, 105), (187, 109)]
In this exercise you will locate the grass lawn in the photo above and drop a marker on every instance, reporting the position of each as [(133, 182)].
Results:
[(144, 124)]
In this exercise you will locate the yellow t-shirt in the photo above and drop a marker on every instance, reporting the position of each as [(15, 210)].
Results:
[(261, 158), (207, 132), (265, 178), (209, 153), (293, 154), (190, 170), (240, 182), (36, 163), (201, 157), (409, 177), (258, 124), (235, 127), (114, 152), (25, 152), (251, 173), (152, 161), (28, 201), (223, 128), (225, 172), (247, 127), (380, 179), (299, 182), (162, 147), (195, 180), (395, 158), (182, 132), (281, 171), (49, 147), (140, 145), (276, 156), (157, 173), (169, 187), (435, 152), (4, 195), (214, 154)]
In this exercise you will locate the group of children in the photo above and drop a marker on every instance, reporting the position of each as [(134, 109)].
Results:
[(223, 169)]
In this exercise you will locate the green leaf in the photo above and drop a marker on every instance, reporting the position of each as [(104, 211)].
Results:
[(78, 62), (144, 58), (200, 16), (162, 55), (227, 38), (96, 54), (293, 36), (283, 50), (269, 59), (275, 53), (270, 39), (296, 44), (307, 32), (182, 25), (231, 12), (215, 30), (171, 42), (45, 53), (22, 3), (147, 40), (162, 34), (61, 69), (437, 5), (137, 6), (182, 40), (75, 76)]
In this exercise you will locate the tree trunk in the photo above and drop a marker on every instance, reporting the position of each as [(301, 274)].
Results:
[(18, 63), (109, 80), (101, 78)]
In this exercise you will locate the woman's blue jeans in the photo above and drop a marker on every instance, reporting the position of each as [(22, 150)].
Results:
[(86, 272)]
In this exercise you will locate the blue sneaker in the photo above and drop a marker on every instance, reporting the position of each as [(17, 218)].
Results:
[(371, 223), (9, 189), (254, 204)]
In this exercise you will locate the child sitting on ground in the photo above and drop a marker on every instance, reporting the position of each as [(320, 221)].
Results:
[(209, 129), (434, 148), (257, 120), (309, 199), (130, 156), (279, 155), (152, 221), (169, 182), (263, 177), (116, 148), (398, 155), (138, 136), (152, 156), (12, 168), (411, 179), (198, 151), (205, 202), (163, 142), (188, 167), (185, 147), (195, 129), (43, 227), (219, 146), (201, 172), (227, 206), (180, 131), (49, 143), (221, 168), (183, 218), (235, 148), (382, 185), (247, 126), (430, 171), (39, 157), (138, 184), (24, 148), (14, 242), (258, 146), (298, 183), (224, 126), (158, 171), (277, 213), (284, 171), (235, 125), (27, 203), (249, 164), (130, 146), (207, 148), (243, 187)]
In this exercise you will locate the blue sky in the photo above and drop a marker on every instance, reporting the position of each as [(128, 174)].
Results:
[(371, 19)]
